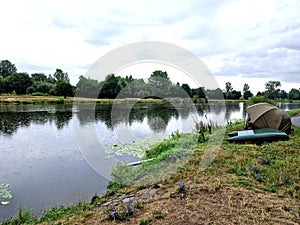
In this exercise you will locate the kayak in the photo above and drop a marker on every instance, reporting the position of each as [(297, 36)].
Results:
[(257, 136)]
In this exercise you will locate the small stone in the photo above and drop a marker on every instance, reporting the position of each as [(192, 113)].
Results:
[(128, 200), (145, 196)]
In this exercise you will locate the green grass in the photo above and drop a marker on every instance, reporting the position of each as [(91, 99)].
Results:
[(55, 213)]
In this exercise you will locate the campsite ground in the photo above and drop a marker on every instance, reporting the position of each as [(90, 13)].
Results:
[(245, 184)]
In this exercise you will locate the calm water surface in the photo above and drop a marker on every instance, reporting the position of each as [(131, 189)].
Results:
[(41, 161)]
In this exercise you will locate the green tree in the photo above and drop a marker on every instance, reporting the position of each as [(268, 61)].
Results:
[(63, 88), (1, 85), (246, 87), (87, 87), (246, 91), (187, 88), (198, 92), (235, 95), (7, 68), (51, 79), (272, 89), (110, 87), (160, 83), (283, 94), (18, 82), (294, 94), (39, 77), (228, 90), (59, 76)]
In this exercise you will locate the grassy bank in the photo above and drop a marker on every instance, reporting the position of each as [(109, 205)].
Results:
[(245, 184), (26, 99)]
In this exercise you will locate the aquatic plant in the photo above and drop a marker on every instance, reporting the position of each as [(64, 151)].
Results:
[(136, 148), (5, 194)]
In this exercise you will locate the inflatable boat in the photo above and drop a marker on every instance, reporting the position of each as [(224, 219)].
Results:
[(257, 136)]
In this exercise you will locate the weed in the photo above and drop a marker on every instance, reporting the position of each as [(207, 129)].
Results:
[(158, 215), (145, 222)]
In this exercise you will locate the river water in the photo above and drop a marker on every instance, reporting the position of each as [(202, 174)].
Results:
[(41, 153)]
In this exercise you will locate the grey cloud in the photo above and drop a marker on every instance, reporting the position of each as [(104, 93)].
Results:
[(291, 42), (278, 64), (102, 34)]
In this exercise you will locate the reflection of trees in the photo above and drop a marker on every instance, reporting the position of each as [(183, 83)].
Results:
[(231, 108), (158, 119), (62, 118), (119, 113), (10, 121), (157, 115)]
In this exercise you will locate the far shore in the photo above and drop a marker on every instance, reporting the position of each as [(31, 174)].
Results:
[(27, 99)]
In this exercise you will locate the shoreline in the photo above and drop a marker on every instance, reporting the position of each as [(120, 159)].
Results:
[(27, 99)]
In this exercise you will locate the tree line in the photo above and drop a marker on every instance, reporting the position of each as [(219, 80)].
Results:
[(157, 85)]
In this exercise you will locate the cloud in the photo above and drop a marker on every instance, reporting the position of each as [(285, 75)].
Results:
[(247, 39)]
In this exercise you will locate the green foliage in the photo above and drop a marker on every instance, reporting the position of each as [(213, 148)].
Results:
[(257, 99), (63, 88), (61, 100), (293, 112), (23, 217), (18, 82), (27, 217), (7, 68), (59, 212), (146, 222), (136, 148), (272, 89), (294, 94), (5, 193), (87, 87), (169, 155), (113, 187), (163, 146), (60, 76)]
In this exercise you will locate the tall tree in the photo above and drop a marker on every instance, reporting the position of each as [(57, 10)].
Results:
[(59, 76), (187, 88), (87, 87), (19, 82), (228, 90), (7, 68), (159, 78), (39, 77), (228, 87), (272, 89), (63, 88), (160, 83), (294, 94), (246, 91)]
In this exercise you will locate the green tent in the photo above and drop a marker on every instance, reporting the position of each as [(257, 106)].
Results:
[(265, 115)]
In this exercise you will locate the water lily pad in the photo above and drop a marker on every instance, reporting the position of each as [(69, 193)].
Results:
[(5, 193), (136, 148), (5, 203)]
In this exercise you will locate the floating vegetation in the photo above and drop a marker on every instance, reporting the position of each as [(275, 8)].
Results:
[(137, 148), (5, 194)]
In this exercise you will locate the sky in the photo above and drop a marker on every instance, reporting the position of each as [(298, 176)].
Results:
[(240, 41)]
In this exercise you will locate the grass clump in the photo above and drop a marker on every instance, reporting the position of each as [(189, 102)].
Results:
[(55, 213)]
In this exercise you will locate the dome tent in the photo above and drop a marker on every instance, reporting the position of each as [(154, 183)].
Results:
[(265, 115)]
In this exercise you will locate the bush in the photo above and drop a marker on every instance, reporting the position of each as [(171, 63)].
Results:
[(257, 99)]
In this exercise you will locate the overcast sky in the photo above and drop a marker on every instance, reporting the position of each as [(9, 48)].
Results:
[(241, 41)]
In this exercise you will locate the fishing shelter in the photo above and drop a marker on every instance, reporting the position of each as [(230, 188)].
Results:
[(265, 115)]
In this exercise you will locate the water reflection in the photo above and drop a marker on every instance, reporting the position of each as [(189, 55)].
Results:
[(13, 117), (158, 116)]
